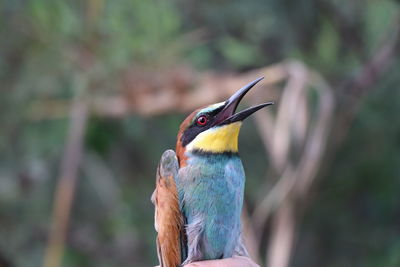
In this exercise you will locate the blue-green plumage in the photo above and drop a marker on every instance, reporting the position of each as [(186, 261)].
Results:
[(210, 190)]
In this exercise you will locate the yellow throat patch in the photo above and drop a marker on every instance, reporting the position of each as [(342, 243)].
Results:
[(217, 140)]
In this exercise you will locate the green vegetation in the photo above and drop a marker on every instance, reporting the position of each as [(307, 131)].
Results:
[(51, 51)]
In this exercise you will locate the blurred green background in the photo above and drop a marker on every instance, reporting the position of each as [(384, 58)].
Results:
[(51, 51)]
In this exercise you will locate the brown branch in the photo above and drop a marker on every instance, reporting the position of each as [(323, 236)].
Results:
[(149, 97), (381, 60), (66, 184), (250, 236), (369, 74), (283, 235)]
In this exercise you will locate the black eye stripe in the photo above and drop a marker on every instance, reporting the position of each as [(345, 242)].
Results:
[(193, 130), (216, 111), (190, 133)]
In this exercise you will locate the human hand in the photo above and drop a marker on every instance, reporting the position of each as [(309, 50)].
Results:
[(237, 261)]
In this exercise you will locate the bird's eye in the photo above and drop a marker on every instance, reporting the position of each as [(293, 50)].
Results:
[(202, 120)]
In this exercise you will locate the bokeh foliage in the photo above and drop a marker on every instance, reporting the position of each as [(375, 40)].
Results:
[(53, 49)]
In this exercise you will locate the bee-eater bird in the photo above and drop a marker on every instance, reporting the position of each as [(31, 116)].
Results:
[(199, 189)]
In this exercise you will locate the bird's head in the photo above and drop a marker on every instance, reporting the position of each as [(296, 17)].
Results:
[(214, 129)]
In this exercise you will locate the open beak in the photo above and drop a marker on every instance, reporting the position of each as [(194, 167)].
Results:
[(227, 115)]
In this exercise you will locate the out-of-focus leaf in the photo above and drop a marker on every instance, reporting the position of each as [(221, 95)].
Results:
[(327, 44), (239, 54), (378, 17)]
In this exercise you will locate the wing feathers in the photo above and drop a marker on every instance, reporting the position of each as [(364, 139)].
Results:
[(168, 219)]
